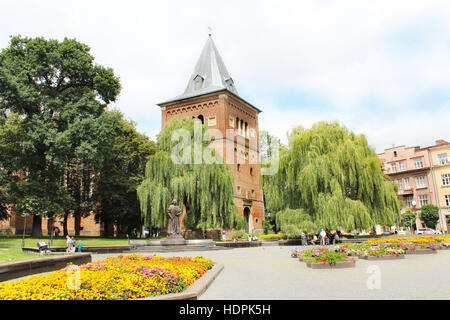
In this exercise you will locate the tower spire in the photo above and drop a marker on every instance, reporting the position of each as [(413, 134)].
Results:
[(209, 75)]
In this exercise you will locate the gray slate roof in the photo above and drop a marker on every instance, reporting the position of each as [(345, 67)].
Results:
[(210, 74)]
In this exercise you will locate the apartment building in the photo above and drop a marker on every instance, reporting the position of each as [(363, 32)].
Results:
[(421, 176), (439, 157)]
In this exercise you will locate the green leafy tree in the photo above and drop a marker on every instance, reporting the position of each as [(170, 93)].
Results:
[(121, 174), (332, 176), (55, 93), (204, 190), (3, 198), (409, 219), (430, 215)]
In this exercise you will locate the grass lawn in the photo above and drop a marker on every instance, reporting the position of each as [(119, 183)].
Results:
[(16, 241), (16, 254)]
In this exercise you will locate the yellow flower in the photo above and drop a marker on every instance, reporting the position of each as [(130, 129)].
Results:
[(121, 277)]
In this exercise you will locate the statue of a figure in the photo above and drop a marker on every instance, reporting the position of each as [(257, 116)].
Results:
[(174, 212)]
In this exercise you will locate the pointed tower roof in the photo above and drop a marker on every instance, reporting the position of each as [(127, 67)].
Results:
[(210, 74)]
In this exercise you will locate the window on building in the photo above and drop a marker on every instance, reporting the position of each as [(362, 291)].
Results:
[(442, 158), (421, 182), (418, 163), (230, 83), (253, 192), (395, 153), (446, 179), (408, 201), (251, 171), (394, 167), (212, 121), (407, 185), (423, 199), (231, 121), (401, 165), (198, 80), (239, 189), (400, 186), (239, 167), (447, 200)]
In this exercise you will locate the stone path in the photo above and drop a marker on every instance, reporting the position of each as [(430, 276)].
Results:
[(269, 273)]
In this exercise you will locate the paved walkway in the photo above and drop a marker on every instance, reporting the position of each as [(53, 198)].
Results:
[(270, 273)]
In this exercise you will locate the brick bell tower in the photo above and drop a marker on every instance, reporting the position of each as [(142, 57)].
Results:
[(211, 96)]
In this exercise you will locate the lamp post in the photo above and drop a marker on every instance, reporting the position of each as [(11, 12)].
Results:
[(413, 203), (52, 219), (24, 229)]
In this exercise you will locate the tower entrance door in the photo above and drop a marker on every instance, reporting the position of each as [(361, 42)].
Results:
[(247, 218)]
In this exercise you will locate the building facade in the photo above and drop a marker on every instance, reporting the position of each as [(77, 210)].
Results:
[(439, 155), (212, 97), (415, 172), (88, 226)]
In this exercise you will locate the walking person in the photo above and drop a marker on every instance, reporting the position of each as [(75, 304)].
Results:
[(68, 243), (322, 237)]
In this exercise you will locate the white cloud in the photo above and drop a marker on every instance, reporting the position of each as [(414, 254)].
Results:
[(349, 53)]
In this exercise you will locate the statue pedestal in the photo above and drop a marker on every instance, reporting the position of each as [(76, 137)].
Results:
[(176, 240)]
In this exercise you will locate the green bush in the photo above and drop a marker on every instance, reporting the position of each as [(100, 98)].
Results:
[(273, 236), (240, 234)]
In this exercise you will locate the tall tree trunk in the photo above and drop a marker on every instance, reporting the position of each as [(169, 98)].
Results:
[(77, 224), (36, 230), (66, 215)]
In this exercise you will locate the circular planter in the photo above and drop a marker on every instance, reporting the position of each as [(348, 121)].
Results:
[(421, 251), (326, 265), (393, 257)]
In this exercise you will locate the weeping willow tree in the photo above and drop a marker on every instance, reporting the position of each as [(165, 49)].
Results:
[(330, 178), (204, 189)]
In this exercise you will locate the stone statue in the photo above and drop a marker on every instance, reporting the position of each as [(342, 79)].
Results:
[(174, 213)]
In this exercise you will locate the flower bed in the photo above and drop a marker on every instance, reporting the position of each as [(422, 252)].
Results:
[(384, 250), (306, 253), (384, 257), (329, 257), (416, 240), (116, 278), (337, 264), (421, 251), (352, 249), (444, 245), (322, 256)]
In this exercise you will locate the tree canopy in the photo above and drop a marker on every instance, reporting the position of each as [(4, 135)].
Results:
[(204, 189), (330, 178), (122, 172), (54, 95), (430, 215)]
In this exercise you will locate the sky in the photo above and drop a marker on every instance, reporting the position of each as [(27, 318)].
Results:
[(380, 68)]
